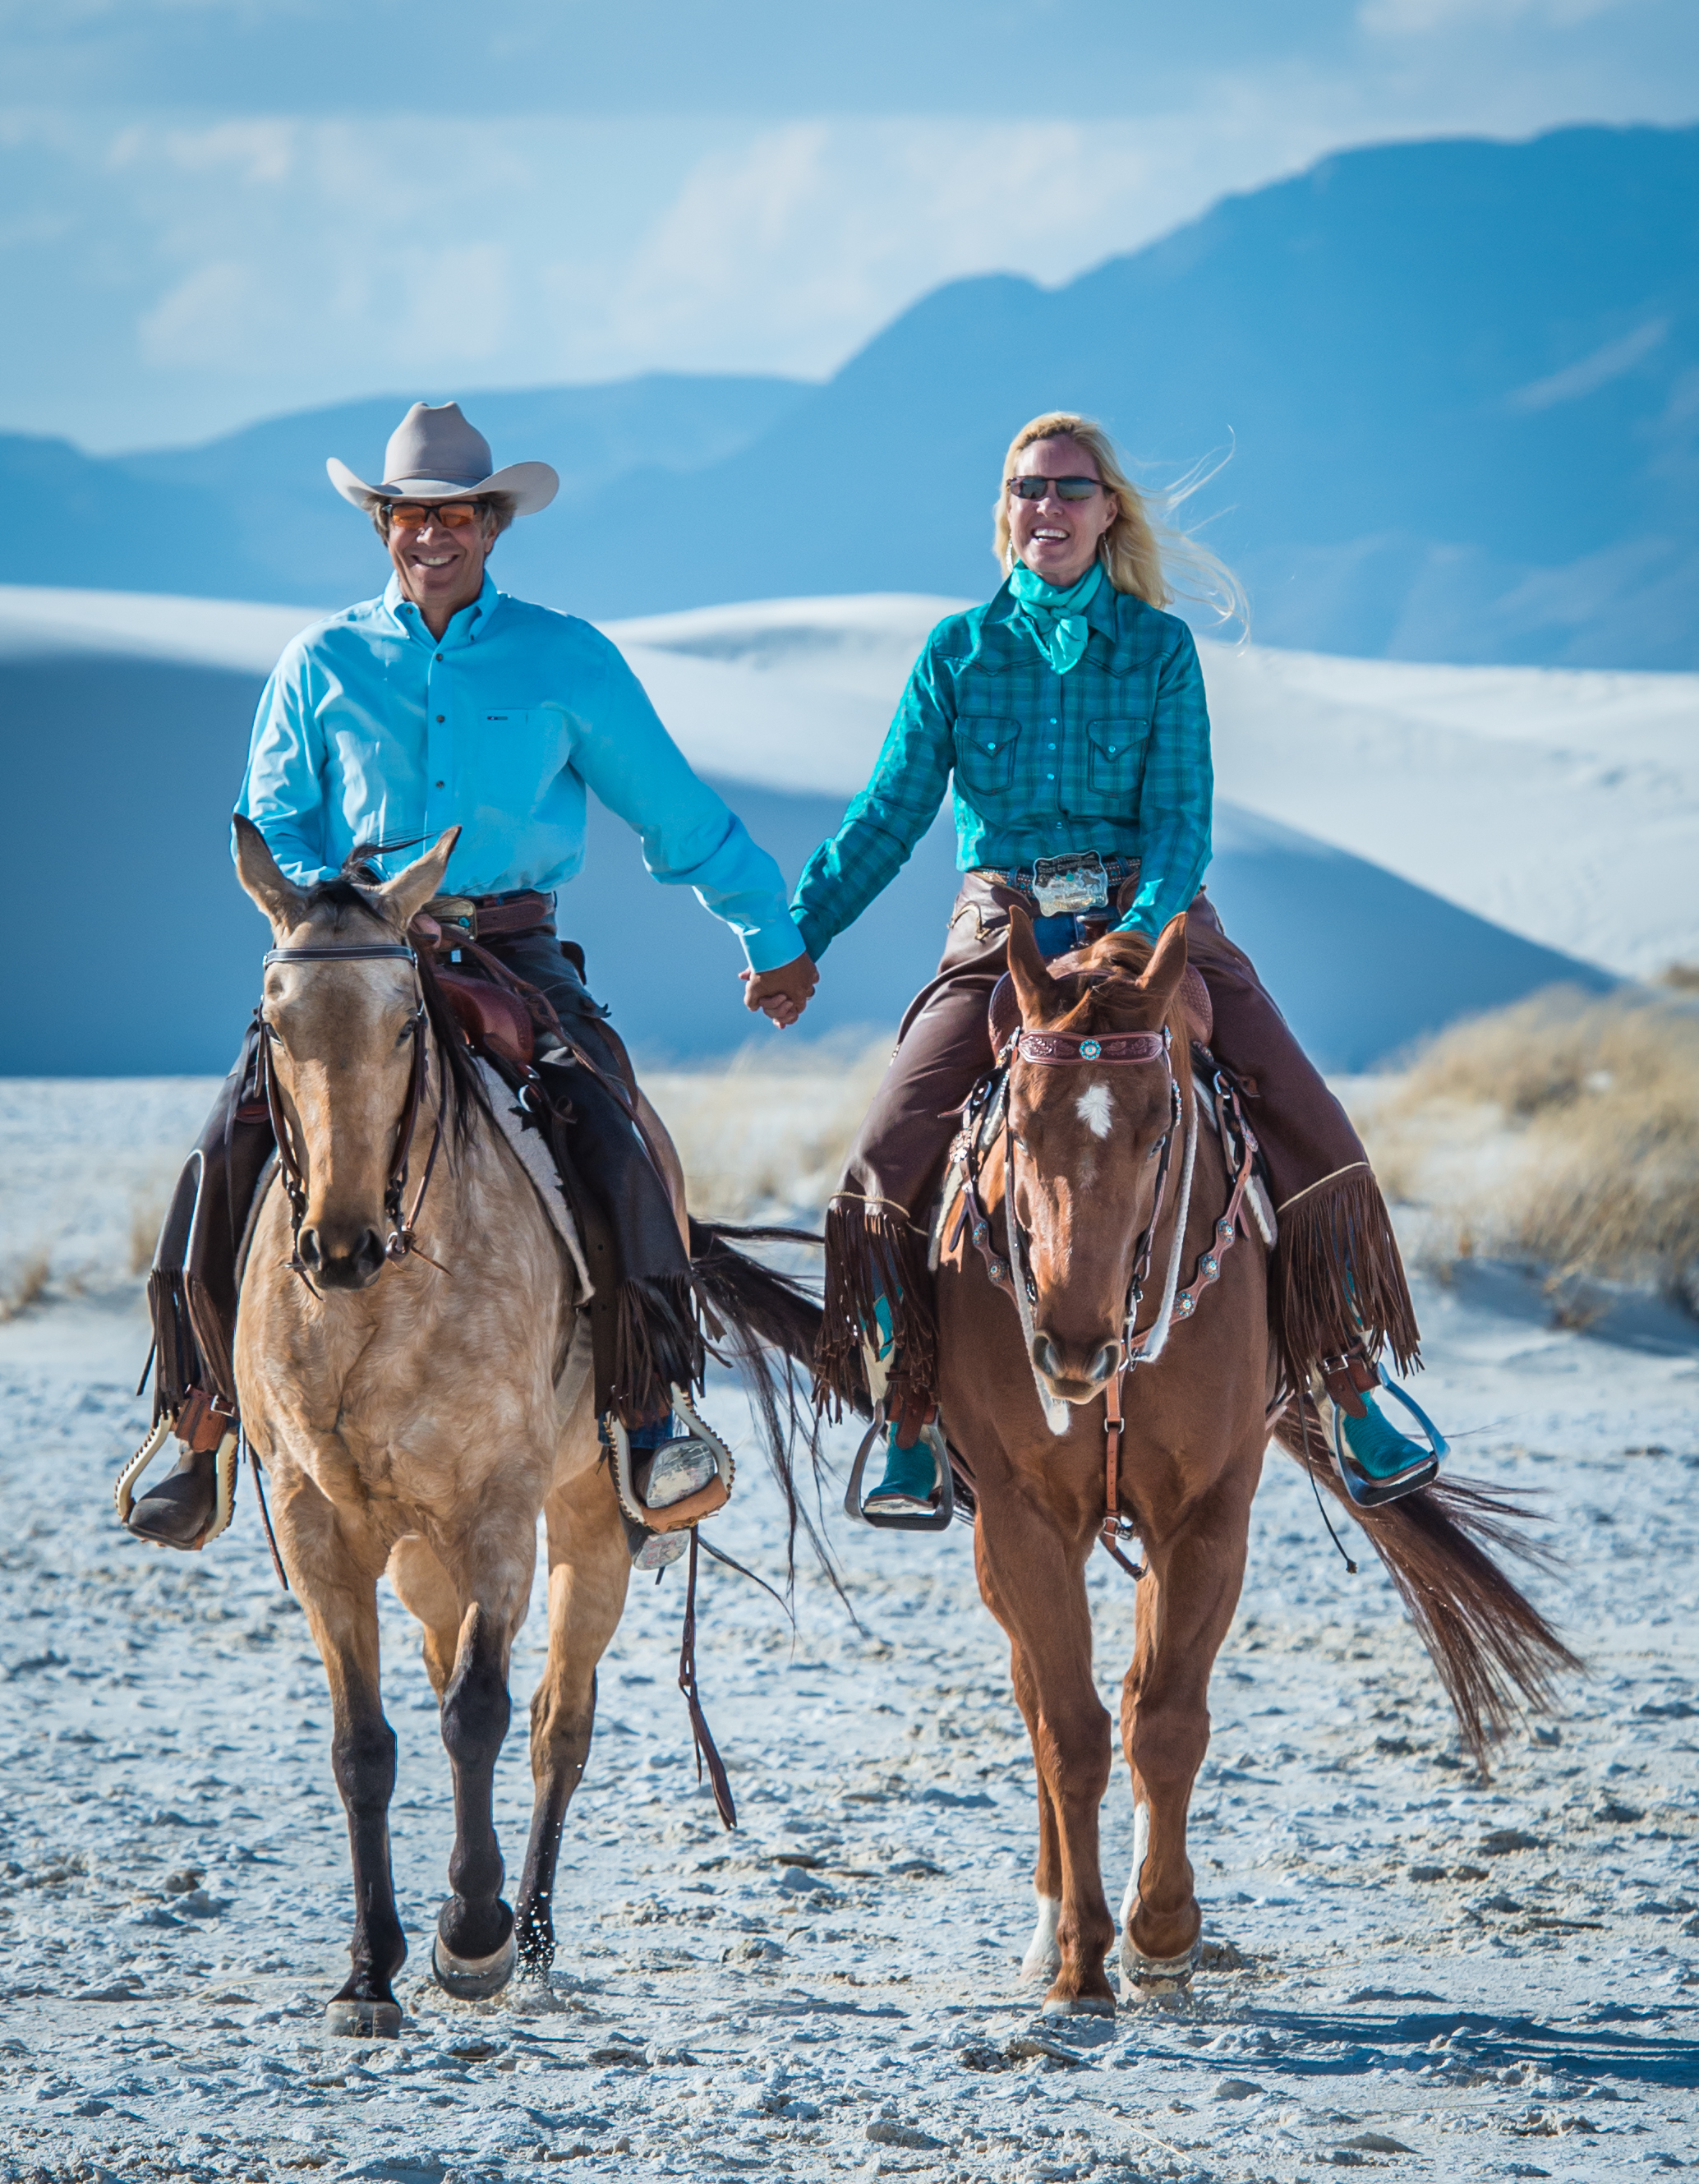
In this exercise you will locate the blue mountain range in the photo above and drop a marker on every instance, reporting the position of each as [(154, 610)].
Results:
[(1459, 382)]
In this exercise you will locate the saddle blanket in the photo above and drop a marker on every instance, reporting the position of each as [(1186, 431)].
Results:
[(539, 1164)]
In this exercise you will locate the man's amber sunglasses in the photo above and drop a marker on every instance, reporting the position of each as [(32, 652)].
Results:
[(452, 515)]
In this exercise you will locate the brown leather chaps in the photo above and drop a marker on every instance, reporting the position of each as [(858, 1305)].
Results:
[(1337, 1282)]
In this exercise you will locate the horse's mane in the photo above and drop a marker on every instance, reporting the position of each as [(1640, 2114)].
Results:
[(464, 1098), (1112, 965)]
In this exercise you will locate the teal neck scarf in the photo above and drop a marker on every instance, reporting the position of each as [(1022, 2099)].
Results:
[(1054, 620)]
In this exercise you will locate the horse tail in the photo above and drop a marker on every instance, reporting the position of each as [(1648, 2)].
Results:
[(1494, 1652), (767, 1323)]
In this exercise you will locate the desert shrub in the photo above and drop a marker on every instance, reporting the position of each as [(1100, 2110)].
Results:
[(1563, 1131), (25, 1282), (767, 1133)]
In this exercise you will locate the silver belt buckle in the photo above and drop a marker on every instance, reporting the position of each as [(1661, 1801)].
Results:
[(1061, 885)]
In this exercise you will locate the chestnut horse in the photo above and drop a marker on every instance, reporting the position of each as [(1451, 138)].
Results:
[(1116, 1187)]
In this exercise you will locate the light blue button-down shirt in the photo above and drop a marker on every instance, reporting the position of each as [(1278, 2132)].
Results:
[(371, 730)]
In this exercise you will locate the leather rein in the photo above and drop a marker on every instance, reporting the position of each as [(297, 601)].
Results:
[(401, 1239), (1064, 1050)]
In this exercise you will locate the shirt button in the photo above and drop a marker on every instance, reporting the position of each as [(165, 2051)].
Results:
[(1050, 746), (439, 655), (1049, 777), (439, 785), (439, 720)]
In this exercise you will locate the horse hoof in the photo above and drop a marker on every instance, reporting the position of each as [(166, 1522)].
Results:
[(1079, 2005), (364, 2021), (473, 1979), (1159, 1975)]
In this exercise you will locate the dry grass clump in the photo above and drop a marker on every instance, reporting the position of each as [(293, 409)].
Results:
[(1563, 1131), (25, 1283), (767, 1133)]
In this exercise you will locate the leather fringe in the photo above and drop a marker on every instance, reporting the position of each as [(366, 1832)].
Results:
[(869, 1255), (1338, 1278), (657, 1344)]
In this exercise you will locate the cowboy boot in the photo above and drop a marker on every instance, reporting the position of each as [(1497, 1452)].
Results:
[(182, 1510), (176, 1512)]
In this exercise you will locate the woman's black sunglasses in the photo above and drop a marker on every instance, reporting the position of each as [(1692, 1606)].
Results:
[(1068, 489)]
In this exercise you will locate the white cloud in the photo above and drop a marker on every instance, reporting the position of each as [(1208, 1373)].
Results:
[(180, 276)]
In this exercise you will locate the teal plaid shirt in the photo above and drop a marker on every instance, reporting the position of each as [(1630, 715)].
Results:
[(1112, 756)]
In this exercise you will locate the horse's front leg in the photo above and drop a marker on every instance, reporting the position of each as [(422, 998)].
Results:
[(475, 1950), (337, 1588), (1043, 1959), (1032, 1580), (1186, 1603), (589, 1570)]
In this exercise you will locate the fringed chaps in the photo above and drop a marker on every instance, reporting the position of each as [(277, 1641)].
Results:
[(871, 1251), (1338, 1282)]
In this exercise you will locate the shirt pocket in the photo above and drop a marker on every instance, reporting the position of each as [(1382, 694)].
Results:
[(517, 755), (986, 746), (1115, 754)]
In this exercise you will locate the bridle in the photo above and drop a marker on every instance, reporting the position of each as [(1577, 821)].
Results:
[(401, 1239), (1066, 1049)]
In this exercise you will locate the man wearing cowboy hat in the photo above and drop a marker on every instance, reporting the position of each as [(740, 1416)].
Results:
[(445, 702)]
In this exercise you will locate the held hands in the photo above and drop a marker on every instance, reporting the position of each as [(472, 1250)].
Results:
[(782, 995)]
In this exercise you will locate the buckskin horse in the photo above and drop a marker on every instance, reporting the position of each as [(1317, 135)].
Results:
[(415, 1379), (1115, 1413)]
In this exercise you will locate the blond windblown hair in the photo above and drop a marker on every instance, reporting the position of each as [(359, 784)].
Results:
[(1141, 553)]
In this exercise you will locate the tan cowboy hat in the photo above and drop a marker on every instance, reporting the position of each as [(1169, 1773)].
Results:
[(435, 454)]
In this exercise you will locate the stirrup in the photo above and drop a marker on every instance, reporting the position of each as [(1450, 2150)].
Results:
[(941, 1518), (677, 1516), (1371, 1493), (223, 1474)]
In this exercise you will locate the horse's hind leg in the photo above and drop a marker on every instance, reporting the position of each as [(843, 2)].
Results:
[(589, 1569), (426, 1589), (1185, 1605)]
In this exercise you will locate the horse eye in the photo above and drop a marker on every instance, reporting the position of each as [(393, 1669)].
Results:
[(1154, 1150), (272, 1031)]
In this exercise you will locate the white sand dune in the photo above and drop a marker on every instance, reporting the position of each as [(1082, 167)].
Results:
[(1562, 805)]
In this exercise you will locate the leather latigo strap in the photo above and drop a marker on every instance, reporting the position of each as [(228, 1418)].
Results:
[(1348, 1379)]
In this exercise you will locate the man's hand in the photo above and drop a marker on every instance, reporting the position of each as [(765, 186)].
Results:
[(781, 995)]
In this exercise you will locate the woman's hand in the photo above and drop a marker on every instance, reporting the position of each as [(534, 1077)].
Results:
[(782, 995)]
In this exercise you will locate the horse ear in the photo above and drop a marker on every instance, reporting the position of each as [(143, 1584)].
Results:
[(263, 878), (1039, 995), (402, 899), (1162, 974)]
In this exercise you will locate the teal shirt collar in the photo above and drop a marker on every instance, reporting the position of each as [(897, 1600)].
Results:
[(462, 627)]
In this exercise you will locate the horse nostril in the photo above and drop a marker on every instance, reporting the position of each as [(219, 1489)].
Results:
[(1104, 1363), (369, 1255), (1045, 1355), (311, 1256)]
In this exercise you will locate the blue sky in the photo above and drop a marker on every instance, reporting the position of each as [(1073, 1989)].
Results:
[(211, 210)]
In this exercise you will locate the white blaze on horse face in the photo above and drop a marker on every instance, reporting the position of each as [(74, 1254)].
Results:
[(1094, 1110), (1043, 1959)]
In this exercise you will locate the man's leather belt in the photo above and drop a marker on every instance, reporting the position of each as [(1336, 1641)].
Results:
[(1117, 870), (494, 916)]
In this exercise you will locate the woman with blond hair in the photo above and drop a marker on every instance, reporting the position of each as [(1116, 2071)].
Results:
[(1069, 712)]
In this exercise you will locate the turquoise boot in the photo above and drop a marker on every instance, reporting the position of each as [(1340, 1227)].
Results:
[(1377, 1462), (909, 1483)]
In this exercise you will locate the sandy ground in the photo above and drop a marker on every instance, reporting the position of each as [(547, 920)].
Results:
[(1439, 1975)]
